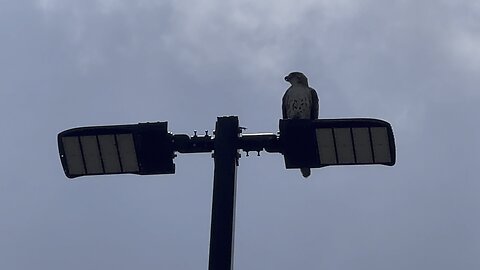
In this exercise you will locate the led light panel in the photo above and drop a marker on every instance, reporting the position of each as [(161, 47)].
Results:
[(381, 148), (326, 146), (100, 154), (347, 146), (108, 148), (126, 149), (144, 149), (363, 148), (326, 142), (73, 155)]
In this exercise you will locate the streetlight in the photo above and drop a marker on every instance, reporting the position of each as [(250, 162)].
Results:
[(149, 148)]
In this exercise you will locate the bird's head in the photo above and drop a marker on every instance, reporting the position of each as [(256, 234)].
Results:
[(297, 78)]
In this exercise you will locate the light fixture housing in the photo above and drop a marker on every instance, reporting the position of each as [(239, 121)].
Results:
[(328, 142), (145, 148)]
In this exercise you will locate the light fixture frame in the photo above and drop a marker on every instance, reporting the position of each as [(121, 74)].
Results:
[(300, 148), (152, 142)]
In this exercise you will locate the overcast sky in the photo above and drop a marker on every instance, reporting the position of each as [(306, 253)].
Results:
[(415, 64)]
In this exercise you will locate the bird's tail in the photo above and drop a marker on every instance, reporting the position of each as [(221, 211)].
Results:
[(305, 172)]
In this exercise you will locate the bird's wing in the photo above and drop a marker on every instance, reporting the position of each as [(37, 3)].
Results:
[(315, 105), (284, 106)]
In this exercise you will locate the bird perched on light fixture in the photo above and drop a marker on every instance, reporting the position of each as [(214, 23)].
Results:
[(300, 102)]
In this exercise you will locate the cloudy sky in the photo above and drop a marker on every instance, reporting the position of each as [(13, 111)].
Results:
[(415, 64)]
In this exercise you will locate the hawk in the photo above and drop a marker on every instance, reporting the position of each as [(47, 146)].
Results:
[(300, 102)]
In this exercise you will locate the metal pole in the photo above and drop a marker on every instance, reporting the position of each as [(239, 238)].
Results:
[(224, 189)]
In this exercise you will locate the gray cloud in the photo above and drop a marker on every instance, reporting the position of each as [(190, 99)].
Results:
[(68, 64)]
